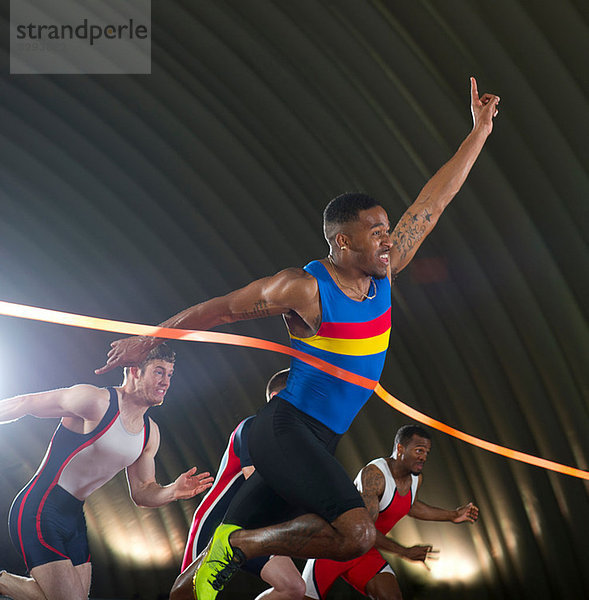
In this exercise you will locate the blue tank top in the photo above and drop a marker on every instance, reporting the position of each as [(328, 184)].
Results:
[(353, 336)]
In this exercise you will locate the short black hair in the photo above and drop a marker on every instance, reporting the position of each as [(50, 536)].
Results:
[(345, 207), (405, 433), (160, 352)]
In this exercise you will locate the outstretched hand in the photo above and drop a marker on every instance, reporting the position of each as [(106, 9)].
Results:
[(190, 484), (127, 352), (484, 109), (421, 554), (469, 512)]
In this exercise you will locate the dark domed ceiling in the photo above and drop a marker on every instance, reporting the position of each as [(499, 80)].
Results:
[(132, 197)]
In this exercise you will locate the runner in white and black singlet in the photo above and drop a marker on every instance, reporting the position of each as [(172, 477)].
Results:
[(102, 431)]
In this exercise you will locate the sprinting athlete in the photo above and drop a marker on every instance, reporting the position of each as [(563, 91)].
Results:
[(389, 488), (300, 501), (102, 431), (236, 466)]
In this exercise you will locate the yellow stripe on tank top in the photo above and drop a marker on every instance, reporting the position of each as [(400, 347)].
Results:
[(349, 347)]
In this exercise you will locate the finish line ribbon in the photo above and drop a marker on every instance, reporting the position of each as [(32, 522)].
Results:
[(62, 318)]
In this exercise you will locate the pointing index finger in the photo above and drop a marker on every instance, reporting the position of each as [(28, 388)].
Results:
[(474, 92)]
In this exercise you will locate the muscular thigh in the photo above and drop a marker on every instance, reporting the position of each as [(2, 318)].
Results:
[(60, 579), (369, 574), (293, 453), (319, 576), (256, 504), (85, 574), (365, 569), (383, 586)]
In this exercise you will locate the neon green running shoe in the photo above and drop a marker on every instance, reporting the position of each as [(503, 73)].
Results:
[(219, 565)]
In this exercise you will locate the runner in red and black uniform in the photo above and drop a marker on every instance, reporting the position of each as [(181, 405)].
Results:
[(389, 488)]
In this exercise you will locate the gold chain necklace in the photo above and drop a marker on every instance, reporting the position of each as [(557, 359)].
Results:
[(364, 296)]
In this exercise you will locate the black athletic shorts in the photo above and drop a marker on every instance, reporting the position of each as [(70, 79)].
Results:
[(46, 526), (296, 472)]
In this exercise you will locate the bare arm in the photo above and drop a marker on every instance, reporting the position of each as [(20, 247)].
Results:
[(373, 485), (291, 290), (144, 489), (420, 510), (79, 401), (418, 553), (421, 217)]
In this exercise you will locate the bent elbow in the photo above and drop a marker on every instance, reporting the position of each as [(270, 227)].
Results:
[(137, 499)]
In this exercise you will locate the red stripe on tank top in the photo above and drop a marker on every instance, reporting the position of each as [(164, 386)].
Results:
[(356, 331)]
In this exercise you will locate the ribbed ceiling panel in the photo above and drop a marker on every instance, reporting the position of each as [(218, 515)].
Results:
[(132, 197)]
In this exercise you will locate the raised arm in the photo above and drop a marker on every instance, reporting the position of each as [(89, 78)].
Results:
[(421, 217), (291, 290), (79, 401), (144, 489)]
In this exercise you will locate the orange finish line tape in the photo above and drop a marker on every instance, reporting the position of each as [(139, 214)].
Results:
[(62, 318), (474, 441)]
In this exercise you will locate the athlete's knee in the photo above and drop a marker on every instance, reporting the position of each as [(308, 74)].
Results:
[(60, 579), (284, 577), (292, 590), (362, 539), (175, 591), (358, 534), (383, 586), (182, 588), (394, 594), (295, 589)]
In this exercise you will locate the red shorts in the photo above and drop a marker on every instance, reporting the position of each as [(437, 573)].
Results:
[(320, 574)]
